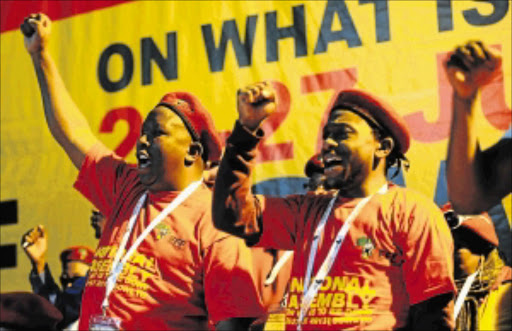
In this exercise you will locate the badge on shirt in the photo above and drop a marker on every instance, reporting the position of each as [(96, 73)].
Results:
[(106, 323), (367, 246)]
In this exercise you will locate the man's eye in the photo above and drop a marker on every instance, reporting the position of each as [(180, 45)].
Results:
[(341, 135)]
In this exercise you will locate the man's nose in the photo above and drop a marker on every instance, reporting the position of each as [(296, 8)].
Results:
[(143, 140), (329, 143)]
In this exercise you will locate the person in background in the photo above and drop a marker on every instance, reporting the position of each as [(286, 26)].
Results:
[(477, 179), (371, 255), (477, 267), (76, 262), (160, 263)]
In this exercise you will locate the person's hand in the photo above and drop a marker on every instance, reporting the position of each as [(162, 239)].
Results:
[(36, 29), (255, 103), (35, 245), (471, 67)]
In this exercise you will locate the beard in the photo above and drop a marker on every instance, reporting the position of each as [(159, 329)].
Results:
[(337, 176), (345, 177)]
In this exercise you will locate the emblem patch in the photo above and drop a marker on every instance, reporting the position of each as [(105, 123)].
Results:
[(367, 246), (162, 230)]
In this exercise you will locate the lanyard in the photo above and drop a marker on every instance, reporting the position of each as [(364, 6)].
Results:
[(117, 263), (275, 270), (463, 293), (310, 292)]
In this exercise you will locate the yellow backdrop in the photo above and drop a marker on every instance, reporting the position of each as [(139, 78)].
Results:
[(308, 48)]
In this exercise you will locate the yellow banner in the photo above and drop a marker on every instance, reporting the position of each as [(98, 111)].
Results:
[(117, 63)]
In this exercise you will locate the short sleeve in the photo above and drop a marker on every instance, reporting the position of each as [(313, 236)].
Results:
[(99, 177), (279, 221), (428, 249), (230, 289)]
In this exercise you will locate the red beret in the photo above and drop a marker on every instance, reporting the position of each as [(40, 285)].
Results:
[(77, 253), (480, 224), (314, 165), (377, 111), (197, 120), (23, 310)]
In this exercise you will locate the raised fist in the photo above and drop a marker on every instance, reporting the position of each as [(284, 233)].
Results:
[(35, 245), (36, 28), (255, 103), (472, 66)]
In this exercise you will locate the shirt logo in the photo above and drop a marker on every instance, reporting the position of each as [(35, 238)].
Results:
[(394, 257), (367, 246), (162, 230)]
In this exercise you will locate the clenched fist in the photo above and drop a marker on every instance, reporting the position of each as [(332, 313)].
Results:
[(35, 245), (471, 67), (255, 103), (36, 28)]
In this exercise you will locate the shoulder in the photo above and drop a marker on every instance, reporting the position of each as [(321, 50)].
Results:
[(411, 200), (411, 211), (200, 212), (101, 158)]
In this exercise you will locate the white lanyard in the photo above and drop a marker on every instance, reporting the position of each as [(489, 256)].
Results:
[(310, 292), (275, 270), (463, 293), (117, 263)]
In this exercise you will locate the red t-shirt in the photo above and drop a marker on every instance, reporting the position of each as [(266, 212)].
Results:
[(184, 275), (264, 261), (397, 253)]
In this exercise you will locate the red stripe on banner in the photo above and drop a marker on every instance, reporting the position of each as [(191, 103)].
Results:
[(12, 12)]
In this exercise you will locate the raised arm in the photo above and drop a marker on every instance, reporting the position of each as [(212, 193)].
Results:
[(477, 179), (235, 209), (65, 121)]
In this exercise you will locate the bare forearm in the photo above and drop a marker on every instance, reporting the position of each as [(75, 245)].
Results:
[(475, 178), (462, 159), (65, 121)]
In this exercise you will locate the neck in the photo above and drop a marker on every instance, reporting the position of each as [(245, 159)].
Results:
[(179, 182), (369, 186)]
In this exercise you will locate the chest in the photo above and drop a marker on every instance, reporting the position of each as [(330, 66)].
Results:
[(171, 245), (369, 241)]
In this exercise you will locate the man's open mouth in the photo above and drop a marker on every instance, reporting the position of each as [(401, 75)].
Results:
[(332, 160), (143, 159)]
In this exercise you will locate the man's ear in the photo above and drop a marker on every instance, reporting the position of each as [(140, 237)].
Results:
[(386, 146), (195, 150)]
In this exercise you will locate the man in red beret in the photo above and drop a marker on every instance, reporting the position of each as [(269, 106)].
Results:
[(76, 261), (372, 255), (160, 263), (478, 269)]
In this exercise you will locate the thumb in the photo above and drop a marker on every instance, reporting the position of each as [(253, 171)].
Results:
[(456, 75)]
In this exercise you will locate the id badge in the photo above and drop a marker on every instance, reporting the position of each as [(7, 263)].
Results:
[(107, 323)]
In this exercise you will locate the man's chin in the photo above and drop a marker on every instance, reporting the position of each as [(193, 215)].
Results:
[(336, 183), (337, 178), (146, 179)]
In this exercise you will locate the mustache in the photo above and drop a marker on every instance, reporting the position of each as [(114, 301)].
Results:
[(347, 171)]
